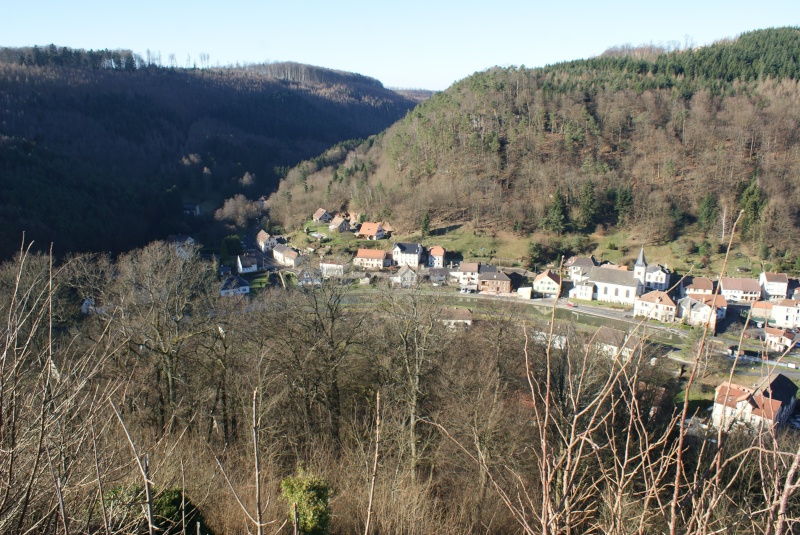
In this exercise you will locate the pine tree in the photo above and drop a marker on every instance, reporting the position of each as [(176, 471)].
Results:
[(426, 224), (556, 218), (587, 203), (709, 210)]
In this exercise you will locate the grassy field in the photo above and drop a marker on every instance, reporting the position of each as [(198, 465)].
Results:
[(703, 255)]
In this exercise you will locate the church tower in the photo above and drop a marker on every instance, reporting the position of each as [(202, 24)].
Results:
[(640, 268)]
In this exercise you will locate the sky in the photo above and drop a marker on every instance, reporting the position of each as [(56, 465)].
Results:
[(418, 44)]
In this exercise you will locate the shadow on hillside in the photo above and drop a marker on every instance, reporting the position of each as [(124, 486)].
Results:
[(444, 230)]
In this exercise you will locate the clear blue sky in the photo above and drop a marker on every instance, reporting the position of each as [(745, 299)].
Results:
[(412, 44)]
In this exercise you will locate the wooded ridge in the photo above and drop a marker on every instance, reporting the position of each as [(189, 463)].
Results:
[(99, 149), (640, 142)]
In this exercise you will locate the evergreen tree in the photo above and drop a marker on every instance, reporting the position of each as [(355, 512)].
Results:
[(752, 201), (556, 218), (587, 203), (709, 210), (426, 224), (623, 204)]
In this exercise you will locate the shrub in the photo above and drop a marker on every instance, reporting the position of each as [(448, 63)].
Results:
[(312, 494), (125, 505)]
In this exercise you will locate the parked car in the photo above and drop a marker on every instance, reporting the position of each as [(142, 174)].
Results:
[(571, 305)]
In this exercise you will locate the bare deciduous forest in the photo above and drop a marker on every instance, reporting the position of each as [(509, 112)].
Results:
[(483, 430), (99, 149)]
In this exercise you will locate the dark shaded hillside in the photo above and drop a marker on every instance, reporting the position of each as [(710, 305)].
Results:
[(99, 149), (618, 141)]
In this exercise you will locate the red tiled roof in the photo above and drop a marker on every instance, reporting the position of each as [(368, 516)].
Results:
[(437, 250), (657, 297), (548, 274), (369, 229), (371, 253)]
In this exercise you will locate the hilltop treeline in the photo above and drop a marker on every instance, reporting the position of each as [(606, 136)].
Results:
[(100, 148), (623, 141), (483, 429)]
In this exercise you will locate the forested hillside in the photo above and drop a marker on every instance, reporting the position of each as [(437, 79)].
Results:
[(228, 404), (653, 143), (98, 149)]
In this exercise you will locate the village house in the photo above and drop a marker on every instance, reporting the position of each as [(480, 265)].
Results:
[(611, 342), (407, 254), (761, 311), (286, 256), (372, 259), (331, 269), (779, 339), (405, 277), (578, 267), (309, 279), (265, 241), (234, 285), (436, 256), (583, 290), (339, 224), (466, 273), (786, 314), (694, 286), (615, 285), (388, 229), (699, 309), (494, 282), (453, 317), (371, 231), (246, 264), (740, 290), (765, 406), (652, 277), (657, 278), (655, 305), (438, 275), (322, 216), (774, 286), (547, 283)]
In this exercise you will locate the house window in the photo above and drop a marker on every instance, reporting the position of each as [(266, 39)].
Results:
[(616, 292), (605, 290), (627, 294)]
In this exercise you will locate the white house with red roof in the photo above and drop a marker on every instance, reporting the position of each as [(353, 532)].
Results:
[(764, 406), (371, 231), (779, 339), (372, 259), (655, 305), (547, 283), (436, 256)]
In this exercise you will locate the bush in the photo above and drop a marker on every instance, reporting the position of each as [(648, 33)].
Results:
[(312, 494), (125, 506)]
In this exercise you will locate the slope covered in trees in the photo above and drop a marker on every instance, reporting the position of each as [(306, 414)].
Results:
[(484, 429), (99, 148), (646, 141)]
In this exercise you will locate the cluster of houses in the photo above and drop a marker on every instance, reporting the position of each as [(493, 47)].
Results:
[(695, 301)]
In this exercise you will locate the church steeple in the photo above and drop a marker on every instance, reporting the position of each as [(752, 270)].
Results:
[(640, 261), (640, 268)]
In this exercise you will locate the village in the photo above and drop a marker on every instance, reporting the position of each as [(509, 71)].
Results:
[(770, 304)]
